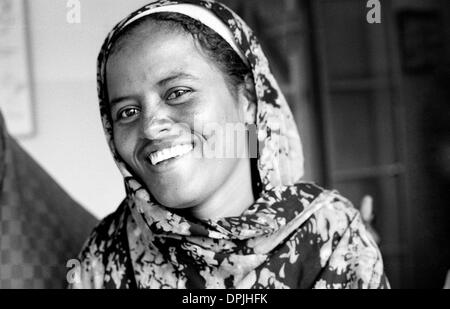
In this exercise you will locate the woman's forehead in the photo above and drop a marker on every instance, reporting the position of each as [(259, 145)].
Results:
[(159, 52), (157, 61), (145, 32)]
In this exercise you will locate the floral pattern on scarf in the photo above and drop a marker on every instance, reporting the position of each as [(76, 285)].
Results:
[(295, 235)]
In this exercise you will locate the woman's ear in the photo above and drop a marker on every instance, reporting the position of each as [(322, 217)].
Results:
[(247, 100)]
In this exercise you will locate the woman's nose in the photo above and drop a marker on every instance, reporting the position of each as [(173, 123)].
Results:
[(154, 127)]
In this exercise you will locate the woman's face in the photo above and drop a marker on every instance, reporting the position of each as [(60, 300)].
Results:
[(163, 93)]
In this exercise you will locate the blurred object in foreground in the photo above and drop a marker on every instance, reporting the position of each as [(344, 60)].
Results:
[(41, 227), (447, 281), (367, 215)]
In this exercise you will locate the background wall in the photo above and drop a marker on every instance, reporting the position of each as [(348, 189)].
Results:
[(384, 94), (425, 96), (69, 141)]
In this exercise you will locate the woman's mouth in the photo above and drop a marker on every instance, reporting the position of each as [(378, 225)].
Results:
[(169, 153)]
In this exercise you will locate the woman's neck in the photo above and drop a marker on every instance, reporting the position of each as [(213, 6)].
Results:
[(232, 198)]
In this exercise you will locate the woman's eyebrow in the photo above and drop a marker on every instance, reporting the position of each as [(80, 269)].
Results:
[(175, 76), (118, 100)]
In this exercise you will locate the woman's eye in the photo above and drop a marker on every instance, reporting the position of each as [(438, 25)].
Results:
[(128, 113), (177, 93)]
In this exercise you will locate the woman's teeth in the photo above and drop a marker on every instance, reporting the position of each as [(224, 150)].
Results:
[(168, 153)]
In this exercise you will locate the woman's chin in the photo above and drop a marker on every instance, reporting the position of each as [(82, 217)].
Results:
[(176, 202)]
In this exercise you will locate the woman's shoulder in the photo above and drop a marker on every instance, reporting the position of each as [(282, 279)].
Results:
[(112, 222), (108, 229), (323, 213), (330, 213), (308, 201), (325, 200), (330, 217), (344, 244), (106, 244)]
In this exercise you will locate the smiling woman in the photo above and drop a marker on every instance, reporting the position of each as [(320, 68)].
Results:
[(159, 78), (190, 220)]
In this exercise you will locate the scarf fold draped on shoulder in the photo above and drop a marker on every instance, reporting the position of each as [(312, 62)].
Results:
[(295, 235)]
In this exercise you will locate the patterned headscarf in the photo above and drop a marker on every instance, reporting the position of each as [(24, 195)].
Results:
[(287, 239)]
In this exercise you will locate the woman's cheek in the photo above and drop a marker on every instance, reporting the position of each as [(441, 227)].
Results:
[(124, 143)]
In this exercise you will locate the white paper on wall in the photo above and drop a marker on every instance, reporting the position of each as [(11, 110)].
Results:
[(15, 98)]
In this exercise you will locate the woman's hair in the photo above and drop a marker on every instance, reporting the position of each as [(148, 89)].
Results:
[(212, 44)]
